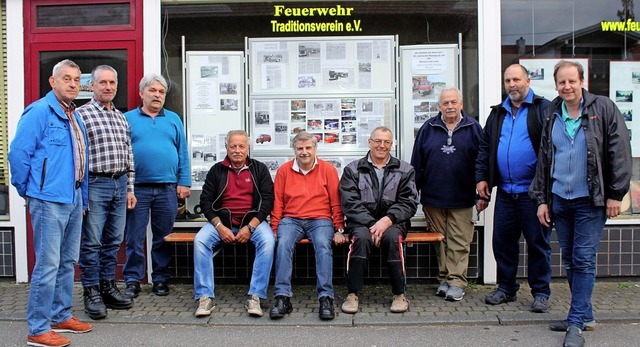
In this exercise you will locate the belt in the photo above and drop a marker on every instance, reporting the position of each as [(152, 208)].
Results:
[(78, 184), (113, 175)]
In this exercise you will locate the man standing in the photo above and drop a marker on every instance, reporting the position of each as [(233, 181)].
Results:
[(162, 176), (48, 161), (110, 188), (507, 158), (444, 155), (306, 205), (583, 172), (379, 197), (236, 198)]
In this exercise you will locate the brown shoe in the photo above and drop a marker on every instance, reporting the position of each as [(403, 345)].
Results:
[(350, 304), (72, 325), (400, 304), (48, 339)]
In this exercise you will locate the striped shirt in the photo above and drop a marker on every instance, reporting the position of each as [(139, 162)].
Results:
[(109, 140), (79, 146)]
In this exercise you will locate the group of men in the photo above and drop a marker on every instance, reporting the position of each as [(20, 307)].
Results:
[(565, 162), (75, 168)]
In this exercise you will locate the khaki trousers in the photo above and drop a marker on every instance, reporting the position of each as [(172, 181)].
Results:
[(453, 252)]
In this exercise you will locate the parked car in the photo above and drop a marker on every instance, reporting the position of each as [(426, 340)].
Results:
[(425, 87), (263, 138)]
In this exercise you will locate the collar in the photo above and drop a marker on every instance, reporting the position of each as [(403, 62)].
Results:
[(100, 105), (297, 168), (161, 113), (371, 161), (565, 113), (227, 162)]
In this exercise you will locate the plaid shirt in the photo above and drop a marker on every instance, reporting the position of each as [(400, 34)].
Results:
[(79, 146), (109, 140)]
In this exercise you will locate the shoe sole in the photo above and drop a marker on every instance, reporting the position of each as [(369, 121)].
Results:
[(31, 343), (278, 315), (95, 316), (507, 300), (351, 311), (328, 317), (586, 328), (537, 310), (451, 298), (255, 313), (71, 331)]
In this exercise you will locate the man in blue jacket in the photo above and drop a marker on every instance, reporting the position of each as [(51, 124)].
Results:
[(507, 158), (444, 155), (48, 160), (162, 175)]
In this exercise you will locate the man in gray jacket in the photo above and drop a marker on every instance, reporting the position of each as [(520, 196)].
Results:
[(378, 196), (583, 172)]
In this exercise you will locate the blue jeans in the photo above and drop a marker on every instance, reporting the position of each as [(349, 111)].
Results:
[(515, 214), (207, 244), (103, 229), (56, 244), (292, 230), (162, 201), (579, 226)]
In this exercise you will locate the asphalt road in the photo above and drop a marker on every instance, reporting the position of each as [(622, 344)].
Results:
[(110, 335)]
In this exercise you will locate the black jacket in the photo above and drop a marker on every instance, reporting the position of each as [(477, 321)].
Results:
[(608, 151), (487, 163), (360, 194), (216, 182)]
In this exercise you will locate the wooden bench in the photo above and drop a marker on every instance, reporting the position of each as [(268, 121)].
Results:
[(412, 237)]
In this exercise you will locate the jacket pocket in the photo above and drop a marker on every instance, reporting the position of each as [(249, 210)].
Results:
[(58, 134), (43, 175)]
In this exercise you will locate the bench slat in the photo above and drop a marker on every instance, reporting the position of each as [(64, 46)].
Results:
[(411, 237)]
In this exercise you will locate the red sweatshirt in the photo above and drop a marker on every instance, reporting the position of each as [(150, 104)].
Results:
[(311, 196)]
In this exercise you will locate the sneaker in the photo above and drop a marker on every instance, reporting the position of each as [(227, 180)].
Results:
[(442, 290), (253, 306), (574, 337), (498, 297), (563, 325), (454, 294), (540, 304), (400, 304), (72, 325), (350, 304), (48, 339), (205, 306)]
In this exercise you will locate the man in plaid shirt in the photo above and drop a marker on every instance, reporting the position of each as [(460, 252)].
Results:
[(110, 194)]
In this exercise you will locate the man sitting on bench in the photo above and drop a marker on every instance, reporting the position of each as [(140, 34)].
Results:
[(379, 197), (236, 198)]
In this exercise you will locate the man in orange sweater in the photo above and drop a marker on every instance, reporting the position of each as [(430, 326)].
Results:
[(306, 205)]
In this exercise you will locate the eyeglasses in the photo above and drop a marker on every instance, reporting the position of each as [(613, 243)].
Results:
[(378, 142)]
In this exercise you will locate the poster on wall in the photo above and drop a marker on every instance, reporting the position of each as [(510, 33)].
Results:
[(322, 65), (541, 75), (624, 90), (425, 71), (337, 123), (215, 105)]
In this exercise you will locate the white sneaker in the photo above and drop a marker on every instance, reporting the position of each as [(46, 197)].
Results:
[(253, 306), (400, 304), (205, 306)]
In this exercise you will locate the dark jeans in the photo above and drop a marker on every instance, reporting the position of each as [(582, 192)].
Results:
[(359, 250), (162, 201), (515, 215), (579, 226)]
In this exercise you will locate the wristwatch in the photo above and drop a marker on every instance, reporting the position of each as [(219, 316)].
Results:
[(251, 228), (341, 231)]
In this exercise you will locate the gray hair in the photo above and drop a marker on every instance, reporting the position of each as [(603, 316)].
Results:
[(382, 128), (100, 68), (450, 89), (236, 132), (304, 136), (150, 78), (67, 63)]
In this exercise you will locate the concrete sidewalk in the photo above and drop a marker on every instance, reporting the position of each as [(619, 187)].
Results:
[(614, 300)]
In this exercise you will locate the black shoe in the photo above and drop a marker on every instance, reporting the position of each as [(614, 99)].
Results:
[(573, 338), (282, 307), (93, 304), (112, 297), (326, 311), (563, 325), (132, 290), (160, 288), (498, 297)]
